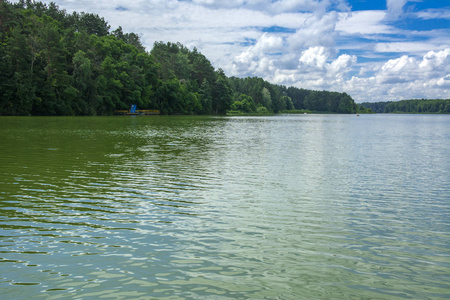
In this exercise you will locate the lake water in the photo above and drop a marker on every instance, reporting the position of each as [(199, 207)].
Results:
[(279, 207)]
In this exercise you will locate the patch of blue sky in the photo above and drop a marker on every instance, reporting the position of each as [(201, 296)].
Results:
[(367, 4), (277, 29), (358, 45), (427, 4), (121, 8), (351, 41), (275, 54), (370, 57), (422, 25), (392, 37), (248, 42), (409, 6), (356, 73)]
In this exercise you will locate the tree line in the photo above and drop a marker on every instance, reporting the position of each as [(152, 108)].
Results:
[(414, 106), (59, 63)]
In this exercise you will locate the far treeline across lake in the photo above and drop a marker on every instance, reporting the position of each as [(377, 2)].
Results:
[(414, 106), (59, 63)]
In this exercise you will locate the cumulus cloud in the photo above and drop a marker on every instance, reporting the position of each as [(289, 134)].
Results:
[(315, 33), (314, 58), (316, 69), (342, 65), (405, 78), (256, 58), (444, 82), (436, 61), (433, 65), (316, 61), (402, 69)]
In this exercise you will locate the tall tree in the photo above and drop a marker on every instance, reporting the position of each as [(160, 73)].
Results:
[(222, 93)]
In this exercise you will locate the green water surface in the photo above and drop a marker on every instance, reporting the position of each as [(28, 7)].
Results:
[(279, 207)]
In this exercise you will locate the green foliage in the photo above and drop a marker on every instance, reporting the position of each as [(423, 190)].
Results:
[(244, 103), (129, 38), (261, 109), (364, 110), (266, 99), (205, 97), (276, 98), (69, 64), (222, 92), (414, 106)]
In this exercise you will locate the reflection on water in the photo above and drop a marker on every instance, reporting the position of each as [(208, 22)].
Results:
[(287, 207)]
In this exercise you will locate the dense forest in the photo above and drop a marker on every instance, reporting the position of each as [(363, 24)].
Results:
[(433, 106), (59, 63)]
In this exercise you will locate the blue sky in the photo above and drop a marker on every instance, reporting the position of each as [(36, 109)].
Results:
[(374, 50)]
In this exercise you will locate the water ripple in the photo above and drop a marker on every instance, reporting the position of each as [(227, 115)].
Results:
[(280, 207)]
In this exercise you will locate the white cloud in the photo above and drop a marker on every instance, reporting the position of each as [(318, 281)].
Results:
[(406, 69), (402, 69), (364, 23), (315, 31), (294, 5), (342, 65), (316, 44), (405, 78), (395, 8), (314, 58), (316, 69), (443, 82), (436, 61), (430, 14), (255, 59), (408, 47), (275, 6)]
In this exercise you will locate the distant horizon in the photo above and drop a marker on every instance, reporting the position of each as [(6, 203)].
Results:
[(424, 99), (373, 50)]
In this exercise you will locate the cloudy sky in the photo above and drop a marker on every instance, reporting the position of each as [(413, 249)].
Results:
[(375, 50)]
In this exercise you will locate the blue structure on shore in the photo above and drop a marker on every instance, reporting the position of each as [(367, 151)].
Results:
[(134, 111)]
